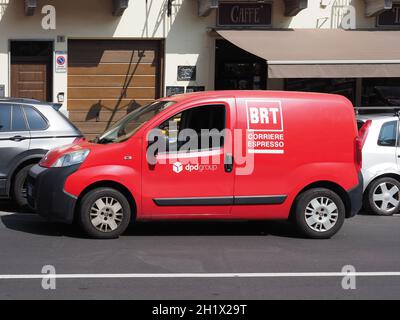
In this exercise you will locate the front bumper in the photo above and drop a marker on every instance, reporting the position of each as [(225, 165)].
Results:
[(46, 193), (356, 196)]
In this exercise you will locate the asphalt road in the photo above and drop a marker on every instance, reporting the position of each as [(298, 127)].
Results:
[(369, 243)]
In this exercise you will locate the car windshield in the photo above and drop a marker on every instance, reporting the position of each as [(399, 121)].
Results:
[(131, 123)]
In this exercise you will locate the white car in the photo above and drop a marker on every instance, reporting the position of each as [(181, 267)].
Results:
[(381, 162)]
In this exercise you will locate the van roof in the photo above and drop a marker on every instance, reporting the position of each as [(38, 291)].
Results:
[(257, 94)]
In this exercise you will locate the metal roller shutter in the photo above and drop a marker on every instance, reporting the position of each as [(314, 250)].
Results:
[(109, 78)]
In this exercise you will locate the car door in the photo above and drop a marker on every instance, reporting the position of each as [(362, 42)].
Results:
[(188, 182), (262, 185), (14, 137)]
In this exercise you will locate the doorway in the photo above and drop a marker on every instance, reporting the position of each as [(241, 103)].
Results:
[(237, 69), (32, 69)]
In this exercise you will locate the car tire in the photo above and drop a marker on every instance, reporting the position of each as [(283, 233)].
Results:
[(104, 213), (376, 191), (319, 213), (19, 187)]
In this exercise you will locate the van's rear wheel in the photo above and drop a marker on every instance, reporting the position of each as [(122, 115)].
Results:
[(104, 213), (319, 213)]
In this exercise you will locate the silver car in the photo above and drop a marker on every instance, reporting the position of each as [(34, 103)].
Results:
[(381, 162), (28, 129)]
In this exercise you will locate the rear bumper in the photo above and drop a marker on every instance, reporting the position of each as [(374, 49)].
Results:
[(356, 196), (46, 193)]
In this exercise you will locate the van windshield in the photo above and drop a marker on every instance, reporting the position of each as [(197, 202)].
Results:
[(131, 123)]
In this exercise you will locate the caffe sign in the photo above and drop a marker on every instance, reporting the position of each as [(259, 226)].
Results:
[(245, 14)]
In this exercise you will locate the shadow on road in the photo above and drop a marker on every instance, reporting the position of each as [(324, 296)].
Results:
[(9, 206), (213, 228), (33, 224)]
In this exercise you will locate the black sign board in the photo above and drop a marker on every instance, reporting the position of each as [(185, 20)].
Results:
[(389, 18), (245, 14), (186, 73), (172, 90), (195, 89)]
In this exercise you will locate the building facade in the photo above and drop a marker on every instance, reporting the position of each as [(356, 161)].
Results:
[(104, 58)]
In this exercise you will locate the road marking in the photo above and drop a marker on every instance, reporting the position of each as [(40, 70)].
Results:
[(199, 275)]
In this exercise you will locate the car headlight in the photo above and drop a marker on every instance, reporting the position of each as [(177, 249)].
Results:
[(72, 158)]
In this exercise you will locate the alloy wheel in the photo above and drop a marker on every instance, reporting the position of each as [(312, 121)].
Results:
[(321, 214), (106, 214), (386, 197)]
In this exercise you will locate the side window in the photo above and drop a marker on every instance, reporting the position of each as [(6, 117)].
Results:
[(199, 128), (35, 119), (387, 135), (18, 119), (5, 117)]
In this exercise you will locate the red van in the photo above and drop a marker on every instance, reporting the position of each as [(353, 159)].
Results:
[(212, 155)]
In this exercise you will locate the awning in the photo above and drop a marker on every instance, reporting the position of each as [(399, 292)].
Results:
[(322, 53)]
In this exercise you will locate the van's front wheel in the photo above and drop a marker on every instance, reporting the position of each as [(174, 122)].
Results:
[(104, 213), (319, 213)]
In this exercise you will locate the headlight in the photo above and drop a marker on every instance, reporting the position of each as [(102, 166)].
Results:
[(71, 159)]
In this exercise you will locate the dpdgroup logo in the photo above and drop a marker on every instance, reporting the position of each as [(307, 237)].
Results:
[(178, 167), (265, 127)]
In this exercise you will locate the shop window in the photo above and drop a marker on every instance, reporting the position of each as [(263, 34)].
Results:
[(387, 136), (237, 69), (5, 118), (342, 86), (380, 92)]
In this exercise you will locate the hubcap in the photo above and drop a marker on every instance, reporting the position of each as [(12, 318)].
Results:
[(321, 214), (106, 214), (386, 197)]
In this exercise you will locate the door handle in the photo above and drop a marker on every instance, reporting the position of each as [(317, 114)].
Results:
[(228, 165), (18, 138)]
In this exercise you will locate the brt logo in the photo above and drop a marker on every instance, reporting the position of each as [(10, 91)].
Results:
[(264, 116)]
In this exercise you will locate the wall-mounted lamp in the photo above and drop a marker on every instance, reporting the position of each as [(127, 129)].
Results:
[(61, 97)]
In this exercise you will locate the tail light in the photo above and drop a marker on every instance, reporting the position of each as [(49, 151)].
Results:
[(360, 141), (363, 132), (358, 155)]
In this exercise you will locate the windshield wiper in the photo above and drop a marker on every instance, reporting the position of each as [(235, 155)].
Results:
[(104, 141)]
